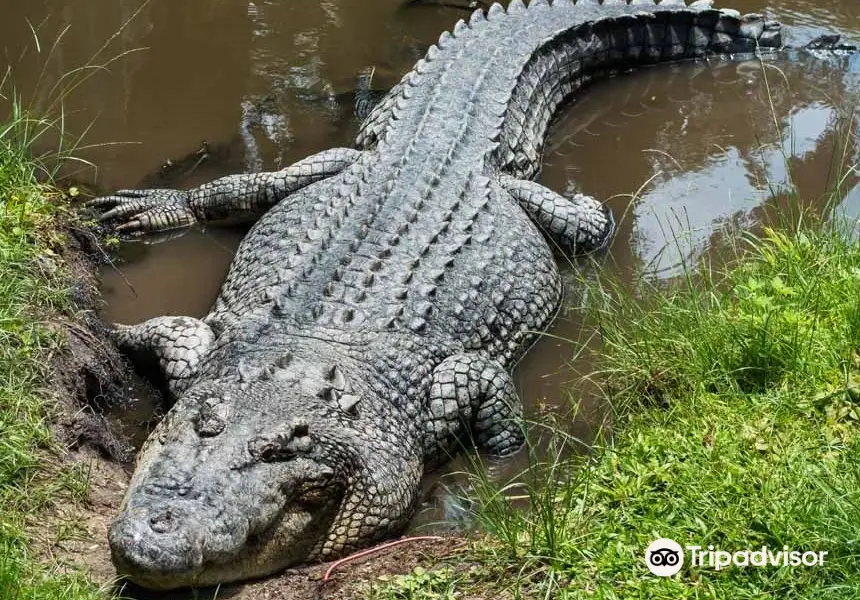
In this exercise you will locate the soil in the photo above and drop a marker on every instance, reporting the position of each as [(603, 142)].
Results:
[(349, 581), (87, 376)]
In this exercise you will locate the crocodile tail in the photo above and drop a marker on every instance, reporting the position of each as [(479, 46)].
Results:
[(576, 43)]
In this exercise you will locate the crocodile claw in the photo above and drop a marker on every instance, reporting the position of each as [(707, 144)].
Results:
[(142, 212)]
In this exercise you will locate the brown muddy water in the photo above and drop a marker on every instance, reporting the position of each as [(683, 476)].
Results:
[(681, 153)]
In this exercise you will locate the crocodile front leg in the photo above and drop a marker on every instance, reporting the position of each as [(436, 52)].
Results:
[(579, 224), (176, 344), (475, 391), (238, 197)]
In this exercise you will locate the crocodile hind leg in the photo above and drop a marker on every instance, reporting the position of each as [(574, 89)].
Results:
[(176, 344), (579, 224), (475, 391), (235, 197)]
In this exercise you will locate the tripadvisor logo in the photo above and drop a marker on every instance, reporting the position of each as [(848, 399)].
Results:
[(665, 557)]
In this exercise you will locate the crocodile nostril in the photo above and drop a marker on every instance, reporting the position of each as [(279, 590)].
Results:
[(164, 522)]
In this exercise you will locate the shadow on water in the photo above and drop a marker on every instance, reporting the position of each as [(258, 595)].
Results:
[(681, 153)]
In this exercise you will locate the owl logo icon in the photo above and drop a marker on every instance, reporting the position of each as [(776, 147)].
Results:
[(664, 557)]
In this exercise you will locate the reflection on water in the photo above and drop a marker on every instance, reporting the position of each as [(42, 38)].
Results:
[(679, 152), (260, 75), (703, 145)]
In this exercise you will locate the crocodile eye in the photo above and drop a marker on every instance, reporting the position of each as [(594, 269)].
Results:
[(265, 449), (283, 445), (212, 419)]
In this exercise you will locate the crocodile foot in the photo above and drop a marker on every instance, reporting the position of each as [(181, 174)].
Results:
[(141, 212)]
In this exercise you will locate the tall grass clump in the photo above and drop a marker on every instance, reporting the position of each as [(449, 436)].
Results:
[(33, 288), (782, 318)]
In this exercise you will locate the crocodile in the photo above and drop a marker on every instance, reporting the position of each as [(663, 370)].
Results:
[(370, 319)]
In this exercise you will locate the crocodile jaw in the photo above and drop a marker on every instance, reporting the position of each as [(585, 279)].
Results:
[(166, 564)]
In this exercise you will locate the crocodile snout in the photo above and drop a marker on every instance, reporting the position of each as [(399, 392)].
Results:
[(150, 545)]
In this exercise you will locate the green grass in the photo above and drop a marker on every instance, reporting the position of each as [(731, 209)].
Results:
[(737, 419), (740, 395), (33, 289), (736, 412)]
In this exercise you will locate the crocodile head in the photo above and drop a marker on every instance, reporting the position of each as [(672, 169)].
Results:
[(233, 485)]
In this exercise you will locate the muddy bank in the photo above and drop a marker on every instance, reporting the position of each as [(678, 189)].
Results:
[(351, 580), (88, 374), (84, 378)]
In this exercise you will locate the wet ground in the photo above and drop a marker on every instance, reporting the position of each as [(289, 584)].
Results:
[(681, 153)]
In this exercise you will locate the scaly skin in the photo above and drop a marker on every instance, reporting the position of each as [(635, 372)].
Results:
[(370, 318)]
